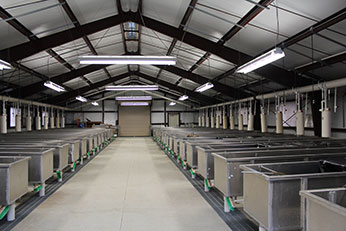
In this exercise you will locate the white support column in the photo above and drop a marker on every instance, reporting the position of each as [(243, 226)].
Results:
[(279, 123), (300, 123), (326, 123), (250, 123)]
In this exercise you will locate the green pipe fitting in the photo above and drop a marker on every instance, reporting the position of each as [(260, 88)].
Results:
[(4, 212), (74, 165), (58, 174), (207, 184), (192, 172), (229, 204), (38, 188)]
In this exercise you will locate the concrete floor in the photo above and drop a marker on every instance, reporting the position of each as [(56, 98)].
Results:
[(131, 185)]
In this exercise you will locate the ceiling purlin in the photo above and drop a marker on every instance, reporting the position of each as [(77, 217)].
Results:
[(235, 29), (25, 31), (182, 25)]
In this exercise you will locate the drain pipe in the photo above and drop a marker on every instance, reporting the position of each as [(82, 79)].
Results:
[(38, 119), (224, 119), (278, 114), (3, 119), (231, 118), (240, 119), (251, 120), (18, 119), (45, 119), (28, 120), (299, 117)]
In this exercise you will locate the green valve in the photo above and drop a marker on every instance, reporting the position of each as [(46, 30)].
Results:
[(4, 212), (229, 204), (58, 174), (192, 173), (38, 188), (183, 163), (178, 158), (74, 165), (207, 184)]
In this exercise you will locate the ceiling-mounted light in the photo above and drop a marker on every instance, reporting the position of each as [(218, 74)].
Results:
[(4, 65), (204, 87), (172, 103), (54, 86), (81, 98), (133, 88), (95, 103), (260, 61), (128, 59), (183, 97), (133, 98), (134, 103)]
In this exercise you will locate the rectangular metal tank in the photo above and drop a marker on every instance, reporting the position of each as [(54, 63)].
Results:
[(325, 209), (271, 191), (13, 178), (40, 164)]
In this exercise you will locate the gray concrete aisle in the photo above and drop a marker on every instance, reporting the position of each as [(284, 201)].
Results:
[(131, 185)]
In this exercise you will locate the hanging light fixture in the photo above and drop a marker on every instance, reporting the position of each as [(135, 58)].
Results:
[(204, 87), (133, 88), (133, 98), (172, 103), (4, 65), (81, 98), (269, 57), (183, 97), (134, 103), (128, 59), (54, 86), (95, 103)]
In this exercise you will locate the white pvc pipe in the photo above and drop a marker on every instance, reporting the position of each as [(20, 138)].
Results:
[(28, 123), (207, 122), (300, 123), (58, 121), (11, 215), (45, 122), (212, 121), (224, 122), (38, 122), (264, 122), (51, 121), (240, 122), (326, 123), (250, 123), (63, 122), (3, 124), (18, 123), (232, 122), (217, 125), (199, 121), (279, 123)]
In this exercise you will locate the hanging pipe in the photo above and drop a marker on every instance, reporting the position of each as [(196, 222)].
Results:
[(3, 119), (299, 117), (231, 118), (224, 119), (251, 119), (240, 119), (38, 119), (279, 120), (28, 120), (217, 118)]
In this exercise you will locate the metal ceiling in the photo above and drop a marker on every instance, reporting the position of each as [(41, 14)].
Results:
[(42, 40)]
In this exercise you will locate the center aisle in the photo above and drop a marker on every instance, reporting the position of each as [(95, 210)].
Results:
[(130, 185)]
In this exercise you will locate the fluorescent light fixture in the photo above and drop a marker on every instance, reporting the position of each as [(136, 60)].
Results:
[(128, 59), (134, 103), (204, 87), (133, 98), (95, 103), (172, 103), (262, 60), (81, 98), (54, 86), (133, 88), (183, 97), (4, 65)]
